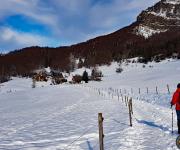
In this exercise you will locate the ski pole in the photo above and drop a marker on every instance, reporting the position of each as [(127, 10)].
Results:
[(172, 120)]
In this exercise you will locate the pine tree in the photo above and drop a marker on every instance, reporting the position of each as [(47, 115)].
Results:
[(85, 77)]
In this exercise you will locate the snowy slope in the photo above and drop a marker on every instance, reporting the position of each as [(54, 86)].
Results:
[(65, 116)]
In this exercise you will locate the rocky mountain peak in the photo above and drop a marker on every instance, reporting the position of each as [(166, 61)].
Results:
[(163, 16)]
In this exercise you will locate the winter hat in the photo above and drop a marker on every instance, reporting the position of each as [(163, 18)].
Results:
[(178, 86)]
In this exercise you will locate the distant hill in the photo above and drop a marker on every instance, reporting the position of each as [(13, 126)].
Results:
[(155, 33)]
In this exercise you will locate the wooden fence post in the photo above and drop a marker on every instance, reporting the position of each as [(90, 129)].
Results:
[(130, 115), (147, 90), (156, 90), (131, 105), (139, 91), (101, 134), (125, 100), (122, 97), (168, 88)]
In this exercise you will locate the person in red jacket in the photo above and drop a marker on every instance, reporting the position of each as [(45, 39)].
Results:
[(176, 101)]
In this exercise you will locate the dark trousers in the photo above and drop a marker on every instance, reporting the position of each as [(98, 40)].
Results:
[(178, 120)]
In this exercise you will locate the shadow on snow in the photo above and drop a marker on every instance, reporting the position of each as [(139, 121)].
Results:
[(89, 145), (152, 124)]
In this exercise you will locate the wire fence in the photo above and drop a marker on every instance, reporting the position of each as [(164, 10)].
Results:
[(122, 95), (78, 138)]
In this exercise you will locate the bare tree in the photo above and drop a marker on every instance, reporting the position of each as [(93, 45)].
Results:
[(72, 62)]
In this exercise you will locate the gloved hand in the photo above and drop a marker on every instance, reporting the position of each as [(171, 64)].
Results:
[(171, 104)]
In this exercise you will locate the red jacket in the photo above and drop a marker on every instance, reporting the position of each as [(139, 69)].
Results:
[(176, 99)]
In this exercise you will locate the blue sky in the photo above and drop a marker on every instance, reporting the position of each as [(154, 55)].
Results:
[(63, 22)]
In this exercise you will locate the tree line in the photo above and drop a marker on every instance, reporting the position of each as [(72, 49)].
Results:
[(116, 46)]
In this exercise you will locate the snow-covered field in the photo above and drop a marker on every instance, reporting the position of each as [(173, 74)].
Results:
[(64, 116)]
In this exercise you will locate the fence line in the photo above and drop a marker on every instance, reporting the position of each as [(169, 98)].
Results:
[(117, 94)]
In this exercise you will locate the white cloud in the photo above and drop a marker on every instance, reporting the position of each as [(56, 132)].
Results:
[(69, 21), (56, 13), (118, 12), (8, 34), (13, 39), (72, 6), (30, 8), (141, 4)]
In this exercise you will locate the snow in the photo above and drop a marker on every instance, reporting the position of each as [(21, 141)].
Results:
[(52, 117), (163, 14), (48, 69), (174, 2), (166, 13), (147, 31)]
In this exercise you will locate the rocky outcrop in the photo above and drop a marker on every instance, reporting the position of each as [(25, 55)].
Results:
[(163, 16)]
